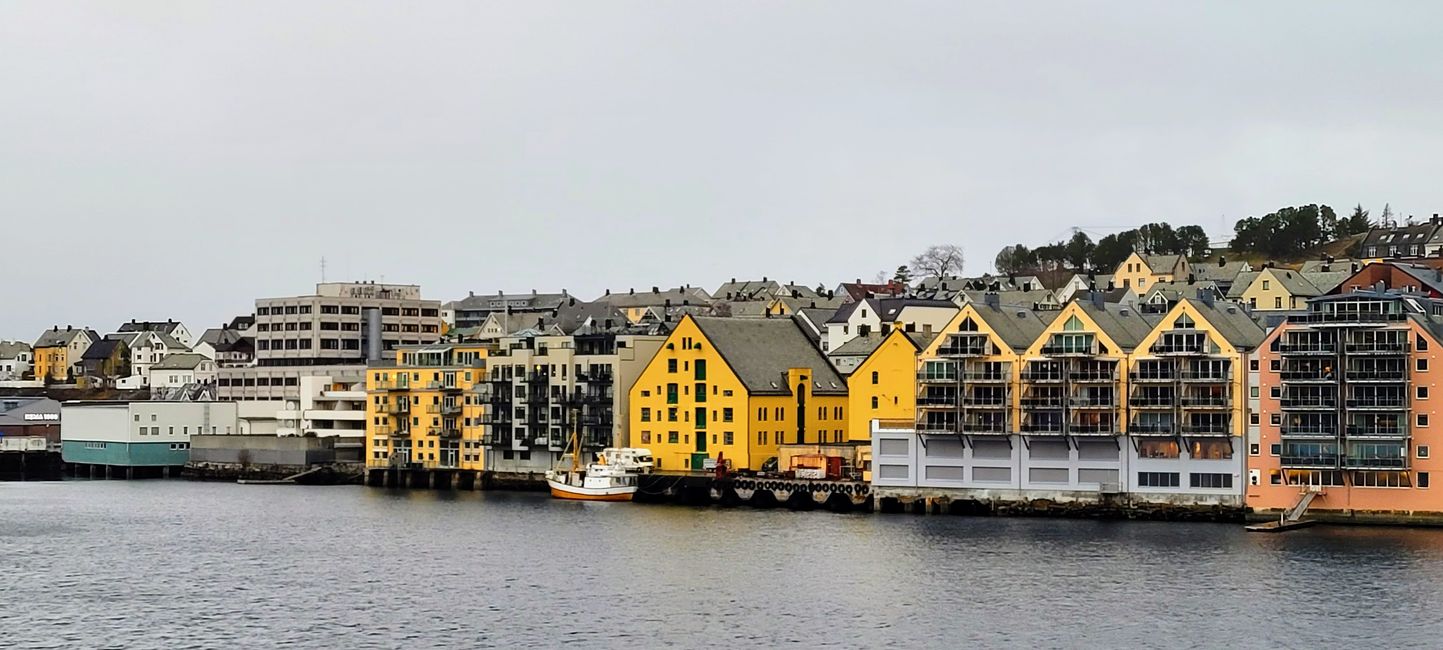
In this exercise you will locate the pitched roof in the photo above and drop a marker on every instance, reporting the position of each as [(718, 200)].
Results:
[(534, 301), (1232, 322), (12, 349), (1029, 298), (886, 309), (1344, 264), (865, 345), (1241, 284), (761, 350), (1124, 325), (1017, 325), (160, 327), (1174, 291), (860, 290), (182, 361), (58, 337), (226, 340), (102, 349), (675, 296), (746, 290), (1326, 281), (1221, 273), (1162, 263)]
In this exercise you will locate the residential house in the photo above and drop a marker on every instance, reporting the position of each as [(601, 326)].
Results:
[(733, 390), (869, 315), (56, 355), (1395, 276), (105, 362), (423, 408), (1279, 289), (881, 373), (173, 329), (472, 310), (1410, 240), (1081, 282), (15, 360), (858, 290), (1140, 270), (636, 305), (1163, 295), (813, 322), (181, 370), (146, 349), (229, 348), (1221, 272)]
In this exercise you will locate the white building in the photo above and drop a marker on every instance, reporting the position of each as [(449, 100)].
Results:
[(880, 315), (15, 360), (180, 370), (141, 439), (328, 409)]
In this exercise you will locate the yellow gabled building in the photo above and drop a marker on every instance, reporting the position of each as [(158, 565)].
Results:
[(423, 409), (1140, 271), (884, 385), (966, 377), (735, 388)]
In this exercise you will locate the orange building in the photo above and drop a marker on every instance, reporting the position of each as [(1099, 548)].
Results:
[(1349, 407)]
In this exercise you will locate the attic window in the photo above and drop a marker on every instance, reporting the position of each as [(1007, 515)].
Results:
[(967, 325), (1184, 322), (1073, 324)]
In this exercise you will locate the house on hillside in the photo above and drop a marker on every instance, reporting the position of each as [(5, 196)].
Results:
[(1413, 240), (171, 328), (1141, 270), (14, 360)]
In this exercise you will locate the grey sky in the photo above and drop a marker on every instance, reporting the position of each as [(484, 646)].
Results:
[(179, 159)]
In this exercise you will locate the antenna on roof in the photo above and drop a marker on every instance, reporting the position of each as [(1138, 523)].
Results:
[(323, 268)]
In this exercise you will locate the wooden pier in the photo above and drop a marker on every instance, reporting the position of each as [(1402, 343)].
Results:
[(755, 491)]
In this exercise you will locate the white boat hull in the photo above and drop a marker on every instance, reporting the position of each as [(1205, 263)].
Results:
[(577, 493)]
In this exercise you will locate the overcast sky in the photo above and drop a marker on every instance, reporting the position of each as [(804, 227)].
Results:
[(180, 159)]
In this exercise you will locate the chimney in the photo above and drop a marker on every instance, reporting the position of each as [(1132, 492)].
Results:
[(668, 303), (571, 302), (533, 292), (1222, 261), (1379, 287), (1205, 296), (1097, 300), (859, 281), (470, 294), (1191, 279), (764, 279), (796, 294), (991, 299), (67, 328), (655, 290), (734, 280), (608, 292), (631, 291), (829, 294)]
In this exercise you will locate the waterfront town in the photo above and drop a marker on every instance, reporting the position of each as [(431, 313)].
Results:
[(1169, 387)]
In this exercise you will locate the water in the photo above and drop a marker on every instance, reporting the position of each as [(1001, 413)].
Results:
[(169, 564)]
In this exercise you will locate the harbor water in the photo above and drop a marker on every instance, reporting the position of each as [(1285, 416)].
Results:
[(173, 564)]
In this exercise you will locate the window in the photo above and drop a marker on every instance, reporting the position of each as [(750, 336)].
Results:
[(1265, 285), (1275, 419), (1157, 479), (1276, 449), (701, 392), (700, 370), (671, 414), (1422, 365), (1422, 451), (727, 414), (1422, 419), (1275, 365), (1422, 479), (1277, 302), (874, 377), (1253, 449), (672, 437), (727, 438), (1276, 392), (874, 402), (671, 365), (1255, 392), (1253, 365), (645, 415), (1422, 392), (1210, 481), (1421, 344)]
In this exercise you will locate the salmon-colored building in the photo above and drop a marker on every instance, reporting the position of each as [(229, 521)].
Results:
[(1349, 406)]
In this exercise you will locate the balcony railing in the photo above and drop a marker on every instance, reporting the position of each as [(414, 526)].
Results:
[(1306, 376), (986, 428), (1042, 428), (1152, 428), (1207, 377), (1317, 461), (965, 348), (1306, 431), (1377, 348), (1039, 377), (1205, 401), (986, 377), (1324, 317), (1377, 431), (1309, 403), (1151, 377), (1092, 403), (1092, 376), (1399, 375), (450, 409), (1381, 403), (985, 402), (397, 409), (1375, 462), (1308, 348), (1180, 348), (1152, 401), (1205, 429), (1046, 402), (1059, 350), (933, 401), (937, 377), (1092, 429)]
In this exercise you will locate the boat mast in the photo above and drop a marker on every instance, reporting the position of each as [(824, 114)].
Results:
[(575, 438)]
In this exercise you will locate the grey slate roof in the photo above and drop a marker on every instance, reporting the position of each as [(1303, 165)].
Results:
[(57, 337), (1029, 298), (677, 296), (1315, 266), (102, 349), (864, 346), (1326, 281), (182, 361), (159, 327), (1232, 322), (16, 417), (1124, 325), (1017, 325), (1174, 291), (1162, 263), (761, 350), (1222, 274), (1241, 284), (746, 290), (886, 308), (12, 349)]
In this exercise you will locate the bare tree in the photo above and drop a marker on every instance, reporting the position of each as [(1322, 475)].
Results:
[(940, 260)]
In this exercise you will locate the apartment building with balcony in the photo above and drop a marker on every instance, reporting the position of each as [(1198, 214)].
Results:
[(332, 332), (1094, 400), (423, 409), (1348, 407), (545, 384)]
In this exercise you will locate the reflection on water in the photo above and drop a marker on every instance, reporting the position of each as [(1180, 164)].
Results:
[(175, 564)]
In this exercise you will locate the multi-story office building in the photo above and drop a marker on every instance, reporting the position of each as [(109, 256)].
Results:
[(1095, 399), (1348, 406), (332, 332), (540, 389)]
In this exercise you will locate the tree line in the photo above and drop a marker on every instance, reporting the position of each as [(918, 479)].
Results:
[(1286, 232)]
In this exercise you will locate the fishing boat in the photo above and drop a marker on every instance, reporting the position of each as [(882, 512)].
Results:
[(601, 480)]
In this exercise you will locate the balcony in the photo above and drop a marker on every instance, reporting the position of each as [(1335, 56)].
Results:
[(500, 417), (1042, 377), (1092, 430), (1206, 401), (1308, 349), (937, 425), (1206, 377), (1329, 318), (450, 409), (1042, 428), (937, 377), (1375, 462), (1315, 461), (1377, 348), (936, 402), (1306, 376), (1151, 377), (985, 402), (534, 377), (401, 408), (1092, 376), (444, 432), (1377, 431), (1319, 431), (986, 377), (1209, 429), (1378, 376), (1092, 403), (601, 377), (1043, 402), (986, 428), (1170, 346), (1152, 429), (1309, 403), (1379, 403), (1152, 401), (391, 385), (1069, 350), (966, 345)]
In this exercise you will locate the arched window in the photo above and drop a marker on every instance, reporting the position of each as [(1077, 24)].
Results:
[(874, 377)]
